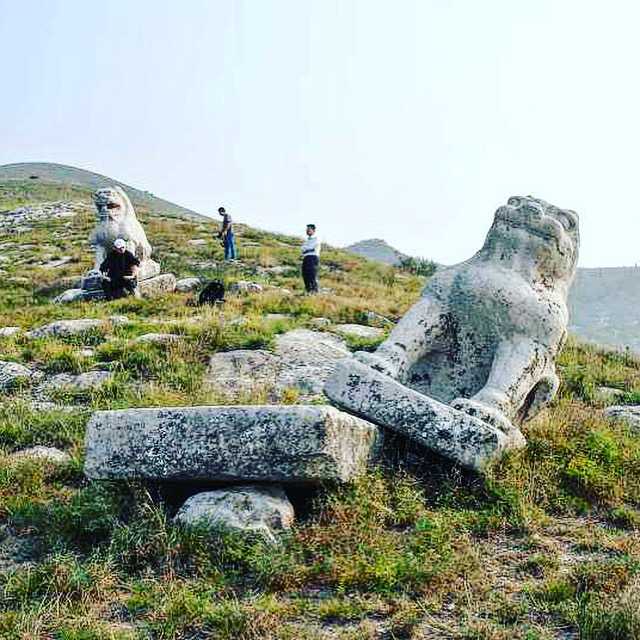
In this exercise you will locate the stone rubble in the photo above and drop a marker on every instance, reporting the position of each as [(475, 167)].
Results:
[(264, 510)]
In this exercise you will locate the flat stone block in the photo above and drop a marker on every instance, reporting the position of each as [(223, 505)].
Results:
[(152, 287), (454, 434), (288, 443)]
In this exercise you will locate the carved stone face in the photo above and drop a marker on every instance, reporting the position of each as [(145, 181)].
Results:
[(111, 205), (532, 228)]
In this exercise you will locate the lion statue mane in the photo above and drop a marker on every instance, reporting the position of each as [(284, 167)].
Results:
[(117, 219), (484, 335)]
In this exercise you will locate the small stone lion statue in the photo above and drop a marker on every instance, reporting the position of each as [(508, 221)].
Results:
[(117, 219), (484, 336)]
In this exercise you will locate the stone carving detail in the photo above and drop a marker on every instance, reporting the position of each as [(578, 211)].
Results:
[(117, 219), (484, 336)]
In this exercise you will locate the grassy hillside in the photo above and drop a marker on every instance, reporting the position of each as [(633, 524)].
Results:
[(64, 175), (547, 545)]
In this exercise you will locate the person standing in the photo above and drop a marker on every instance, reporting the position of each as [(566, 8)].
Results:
[(120, 272), (310, 259), (226, 235)]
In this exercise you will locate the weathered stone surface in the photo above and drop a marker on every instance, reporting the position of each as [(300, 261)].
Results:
[(308, 358), (241, 371), (157, 338), (455, 434), (248, 508), (53, 264), (12, 374), (184, 285), (607, 394), (320, 322), (116, 218), (302, 359), (7, 332), (165, 283), (359, 331), (197, 242), (485, 334), (70, 295), (277, 316), (292, 443), (67, 328), (627, 413), (148, 269), (244, 286), (81, 382), (50, 454)]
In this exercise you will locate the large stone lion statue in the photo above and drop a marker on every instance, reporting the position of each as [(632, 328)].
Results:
[(484, 336), (117, 219)]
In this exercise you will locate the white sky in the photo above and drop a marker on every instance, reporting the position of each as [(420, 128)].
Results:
[(410, 120)]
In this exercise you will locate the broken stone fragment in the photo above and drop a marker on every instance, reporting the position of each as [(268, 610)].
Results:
[(288, 443), (184, 285), (627, 413), (13, 374), (265, 510), (454, 434), (50, 454), (157, 338), (152, 287)]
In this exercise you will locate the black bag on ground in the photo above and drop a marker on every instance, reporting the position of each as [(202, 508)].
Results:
[(213, 293)]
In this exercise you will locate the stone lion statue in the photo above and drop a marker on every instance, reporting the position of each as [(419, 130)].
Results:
[(484, 335), (117, 219)]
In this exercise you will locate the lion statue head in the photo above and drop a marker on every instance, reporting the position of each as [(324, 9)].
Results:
[(542, 238), (116, 218)]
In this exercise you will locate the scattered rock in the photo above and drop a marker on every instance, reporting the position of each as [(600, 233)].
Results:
[(152, 287), (50, 454), (359, 331), (376, 318), (320, 322), (18, 220), (67, 328), (286, 443), (302, 359), (251, 244), (58, 263), (627, 413), (13, 374), (607, 394), (7, 332), (198, 242), (242, 371), (90, 380), (280, 270), (70, 295), (87, 352), (277, 316), (247, 508), (185, 285), (308, 358), (244, 286), (157, 338)]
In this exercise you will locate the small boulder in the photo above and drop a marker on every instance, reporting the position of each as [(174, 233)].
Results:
[(607, 395), (53, 264), (7, 332), (13, 373), (244, 286), (359, 331), (184, 285), (87, 381), (157, 286), (197, 242), (157, 338), (627, 413), (70, 295), (320, 322), (50, 454), (249, 508), (66, 328)]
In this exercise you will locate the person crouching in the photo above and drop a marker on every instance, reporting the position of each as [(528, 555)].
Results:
[(120, 272)]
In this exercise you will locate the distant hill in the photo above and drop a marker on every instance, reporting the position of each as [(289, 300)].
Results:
[(604, 306), (377, 249), (64, 174)]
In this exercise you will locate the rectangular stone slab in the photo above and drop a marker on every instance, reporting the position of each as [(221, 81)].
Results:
[(289, 443), (374, 396)]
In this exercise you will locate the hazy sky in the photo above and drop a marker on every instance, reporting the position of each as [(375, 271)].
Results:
[(410, 120)]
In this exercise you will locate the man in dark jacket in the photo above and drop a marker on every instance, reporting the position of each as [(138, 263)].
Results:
[(120, 270)]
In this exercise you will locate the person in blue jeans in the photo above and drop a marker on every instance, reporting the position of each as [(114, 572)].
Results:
[(226, 235)]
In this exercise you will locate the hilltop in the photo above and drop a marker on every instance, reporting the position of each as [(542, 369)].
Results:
[(377, 249), (64, 175), (545, 546)]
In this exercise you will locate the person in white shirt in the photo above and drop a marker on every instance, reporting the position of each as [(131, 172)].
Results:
[(310, 259)]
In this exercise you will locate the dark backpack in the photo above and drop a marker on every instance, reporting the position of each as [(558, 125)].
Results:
[(213, 293)]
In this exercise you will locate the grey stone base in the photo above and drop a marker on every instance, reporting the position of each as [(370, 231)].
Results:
[(289, 443), (458, 436)]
